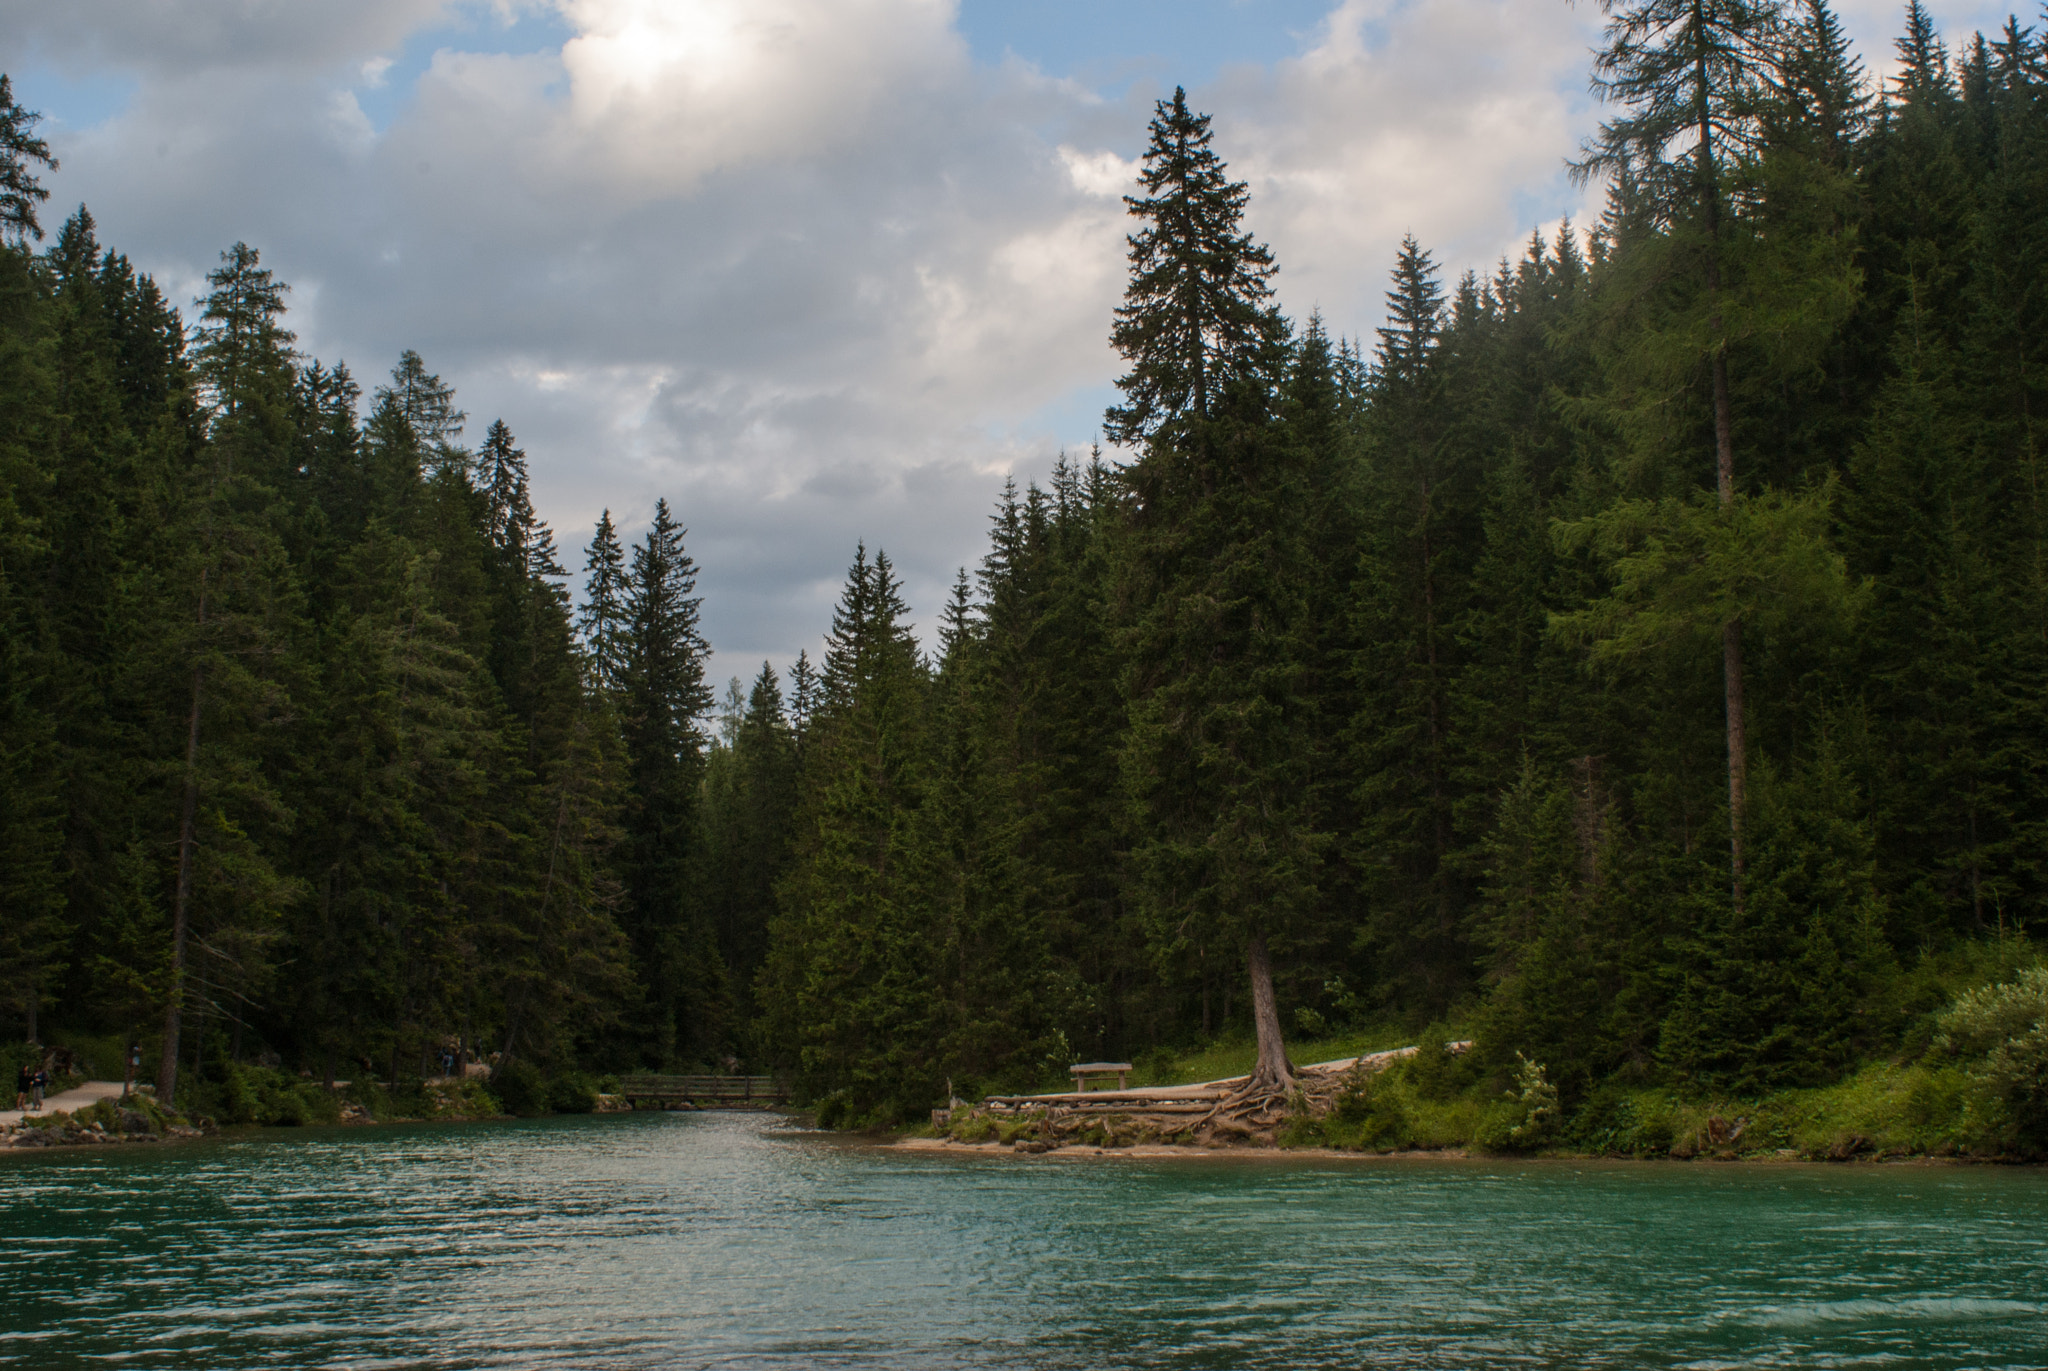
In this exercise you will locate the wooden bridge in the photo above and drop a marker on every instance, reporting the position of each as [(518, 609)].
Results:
[(670, 1092)]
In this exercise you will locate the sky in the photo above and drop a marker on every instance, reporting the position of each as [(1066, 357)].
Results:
[(816, 271)]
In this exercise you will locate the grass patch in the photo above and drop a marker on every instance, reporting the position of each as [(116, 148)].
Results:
[(1224, 1058)]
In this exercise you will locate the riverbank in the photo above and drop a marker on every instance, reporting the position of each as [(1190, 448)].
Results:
[(96, 1114), (941, 1146), (100, 1113), (1436, 1100)]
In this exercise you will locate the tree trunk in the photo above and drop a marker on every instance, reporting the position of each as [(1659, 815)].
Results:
[(1273, 1071), (1731, 632), (1738, 751), (181, 901), (1724, 457)]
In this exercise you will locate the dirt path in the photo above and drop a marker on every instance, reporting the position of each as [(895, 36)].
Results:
[(70, 1101)]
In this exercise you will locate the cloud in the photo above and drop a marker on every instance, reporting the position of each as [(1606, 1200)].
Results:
[(189, 36), (803, 266), (1447, 119), (662, 93)]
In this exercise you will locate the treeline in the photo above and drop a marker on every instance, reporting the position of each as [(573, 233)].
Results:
[(1636, 654)]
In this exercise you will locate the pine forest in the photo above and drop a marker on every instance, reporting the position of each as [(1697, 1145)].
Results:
[(1632, 658)]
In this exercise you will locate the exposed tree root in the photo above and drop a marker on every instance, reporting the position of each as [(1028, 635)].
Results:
[(1242, 1111)]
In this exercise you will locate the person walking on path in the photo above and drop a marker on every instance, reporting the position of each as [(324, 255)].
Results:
[(24, 1081), (39, 1083)]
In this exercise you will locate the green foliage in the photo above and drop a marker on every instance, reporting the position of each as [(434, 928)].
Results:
[(2002, 1032), (266, 1096), (1684, 568), (1527, 1117), (1195, 318), (1633, 654), (521, 1089)]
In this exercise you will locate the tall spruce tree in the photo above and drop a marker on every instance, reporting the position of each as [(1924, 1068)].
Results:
[(662, 696), (238, 606), (850, 992), (1196, 311), (603, 622), (1224, 845)]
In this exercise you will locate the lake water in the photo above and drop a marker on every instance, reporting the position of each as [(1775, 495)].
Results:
[(732, 1240)]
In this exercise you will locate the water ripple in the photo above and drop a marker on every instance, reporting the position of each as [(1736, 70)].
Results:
[(725, 1241)]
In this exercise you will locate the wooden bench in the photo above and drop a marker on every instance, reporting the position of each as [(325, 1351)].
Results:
[(1084, 1072)]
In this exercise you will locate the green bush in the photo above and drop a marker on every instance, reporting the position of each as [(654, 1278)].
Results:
[(1370, 1112), (1527, 1118), (571, 1094), (2002, 1031), (1436, 1072), (520, 1089), (1617, 1124), (266, 1096)]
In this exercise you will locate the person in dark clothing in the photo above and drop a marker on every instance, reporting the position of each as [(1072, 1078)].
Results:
[(24, 1081)]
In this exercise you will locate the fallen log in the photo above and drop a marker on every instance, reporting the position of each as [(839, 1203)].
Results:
[(1221, 1112)]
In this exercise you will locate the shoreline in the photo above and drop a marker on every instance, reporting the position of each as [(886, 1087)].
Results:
[(916, 1144), (1168, 1151), (75, 1139)]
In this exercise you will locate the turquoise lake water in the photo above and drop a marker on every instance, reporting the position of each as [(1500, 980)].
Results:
[(732, 1240)]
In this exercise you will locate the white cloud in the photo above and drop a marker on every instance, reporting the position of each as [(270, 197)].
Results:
[(1449, 119), (663, 93), (799, 265), (1100, 173)]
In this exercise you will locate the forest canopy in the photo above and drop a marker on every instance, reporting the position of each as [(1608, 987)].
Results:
[(1635, 654)]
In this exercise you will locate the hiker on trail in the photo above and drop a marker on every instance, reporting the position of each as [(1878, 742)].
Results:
[(24, 1081), (39, 1082)]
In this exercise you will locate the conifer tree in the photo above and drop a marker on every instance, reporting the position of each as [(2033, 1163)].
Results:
[(662, 696), (238, 598), (1224, 844), (849, 991), (1196, 312), (20, 189), (1693, 77), (1422, 502), (603, 622), (1822, 103)]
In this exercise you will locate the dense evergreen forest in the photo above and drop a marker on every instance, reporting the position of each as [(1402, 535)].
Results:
[(1636, 654)]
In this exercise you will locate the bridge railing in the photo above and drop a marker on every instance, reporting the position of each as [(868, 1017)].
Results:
[(652, 1089)]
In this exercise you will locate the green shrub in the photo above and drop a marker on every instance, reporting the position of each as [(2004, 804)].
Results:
[(264, 1095), (2002, 1031), (520, 1089), (1438, 1073), (835, 1111), (1618, 1124), (571, 1094), (460, 1099), (1527, 1117), (1370, 1113), (1009, 1130)]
